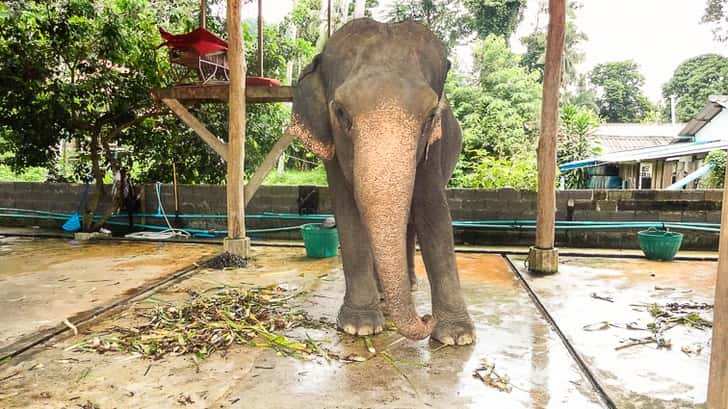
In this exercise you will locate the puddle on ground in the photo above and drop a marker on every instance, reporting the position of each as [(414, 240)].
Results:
[(44, 281), (642, 376)]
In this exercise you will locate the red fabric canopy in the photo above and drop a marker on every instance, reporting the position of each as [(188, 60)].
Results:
[(201, 41), (261, 82)]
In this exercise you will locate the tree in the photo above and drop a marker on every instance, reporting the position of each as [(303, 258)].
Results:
[(716, 177), (535, 55), (577, 123), (716, 15), (76, 70), (620, 91), (448, 20), (81, 71), (499, 17), (453, 20), (498, 112), (693, 81)]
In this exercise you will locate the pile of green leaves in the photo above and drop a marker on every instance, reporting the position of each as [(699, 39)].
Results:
[(245, 316)]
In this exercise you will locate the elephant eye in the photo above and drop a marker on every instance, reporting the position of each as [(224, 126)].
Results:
[(429, 124), (342, 116)]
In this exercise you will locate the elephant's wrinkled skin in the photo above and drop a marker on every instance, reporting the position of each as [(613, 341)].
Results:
[(371, 105)]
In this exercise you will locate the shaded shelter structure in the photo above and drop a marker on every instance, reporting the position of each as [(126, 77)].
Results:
[(221, 68)]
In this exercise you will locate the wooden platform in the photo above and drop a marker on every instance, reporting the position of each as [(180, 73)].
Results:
[(218, 93)]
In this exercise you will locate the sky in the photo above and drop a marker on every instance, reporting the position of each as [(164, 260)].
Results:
[(657, 34)]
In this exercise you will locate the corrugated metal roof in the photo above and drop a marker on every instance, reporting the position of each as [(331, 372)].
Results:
[(715, 104), (613, 137), (651, 153)]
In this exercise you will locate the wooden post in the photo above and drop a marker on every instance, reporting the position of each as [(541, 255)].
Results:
[(328, 20), (236, 242), (260, 38), (543, 257), (203, 13), (718, 380)]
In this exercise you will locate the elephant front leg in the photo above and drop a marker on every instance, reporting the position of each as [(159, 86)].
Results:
[(360, 314), (434, 231)]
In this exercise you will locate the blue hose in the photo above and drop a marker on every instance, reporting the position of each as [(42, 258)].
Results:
[(461, 224)]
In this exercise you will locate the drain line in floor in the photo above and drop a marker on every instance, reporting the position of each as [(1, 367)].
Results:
[(598, 388)]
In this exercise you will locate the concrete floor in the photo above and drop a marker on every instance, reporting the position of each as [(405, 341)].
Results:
[(640, 376), (44, 281), (511, 333)]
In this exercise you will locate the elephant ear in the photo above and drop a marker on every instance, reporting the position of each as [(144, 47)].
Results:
[(310, 119)]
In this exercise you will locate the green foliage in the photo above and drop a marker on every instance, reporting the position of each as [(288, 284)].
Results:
[(716, 15), (499, 114), (34, 174), (621, 98), (295, 177), (693, 81), (577, 123), (448, 20), (716, 178), (498, 17), (490, 172), (583, 94), (535, 55), (453, 20)]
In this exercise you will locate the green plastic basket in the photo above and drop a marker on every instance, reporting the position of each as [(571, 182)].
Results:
[(660, 244), (319, 242)]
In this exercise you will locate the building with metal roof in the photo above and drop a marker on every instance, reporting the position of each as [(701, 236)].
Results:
[(676, 163)]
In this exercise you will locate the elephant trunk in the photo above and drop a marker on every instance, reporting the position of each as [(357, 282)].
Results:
[(384, 171)]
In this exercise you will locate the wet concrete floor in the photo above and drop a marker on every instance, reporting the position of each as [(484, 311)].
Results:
[(642, 376), (511, 333), (44, 281)]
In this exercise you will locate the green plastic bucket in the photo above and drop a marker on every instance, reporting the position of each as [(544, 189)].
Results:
[(660, 244), (320, 242)]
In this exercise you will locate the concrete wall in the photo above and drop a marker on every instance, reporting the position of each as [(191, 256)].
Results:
[(465, 204)]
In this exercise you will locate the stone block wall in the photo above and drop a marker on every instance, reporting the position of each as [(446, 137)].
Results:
[(465, 204)]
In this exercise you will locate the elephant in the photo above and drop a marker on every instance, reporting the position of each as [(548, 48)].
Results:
[(371, 105)]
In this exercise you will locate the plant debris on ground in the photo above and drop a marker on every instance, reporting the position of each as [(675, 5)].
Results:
[(487, 374), (665, 317), (208, 323), (226, 260)]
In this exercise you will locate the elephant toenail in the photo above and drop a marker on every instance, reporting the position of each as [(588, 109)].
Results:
[(378, 329), (349, 329), (447, 341), (465, 340), (365, 331)]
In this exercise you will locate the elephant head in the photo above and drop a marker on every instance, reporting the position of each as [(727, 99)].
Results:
[(371, 101)]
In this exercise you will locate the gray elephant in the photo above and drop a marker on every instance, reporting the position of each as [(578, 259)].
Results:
[(372, 106)]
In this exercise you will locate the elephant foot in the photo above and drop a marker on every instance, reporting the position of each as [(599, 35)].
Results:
[(457, 330), (360, 320)]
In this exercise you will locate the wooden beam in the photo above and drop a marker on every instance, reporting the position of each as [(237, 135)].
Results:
[(203, 13), (218, 93), (260, 38), (186, 116), (546, 196), (257, 179), (718, 379), (236, 121), (328, 20)]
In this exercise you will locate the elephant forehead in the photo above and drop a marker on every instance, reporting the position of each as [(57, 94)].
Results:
[(377, 89), (365, 42)]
